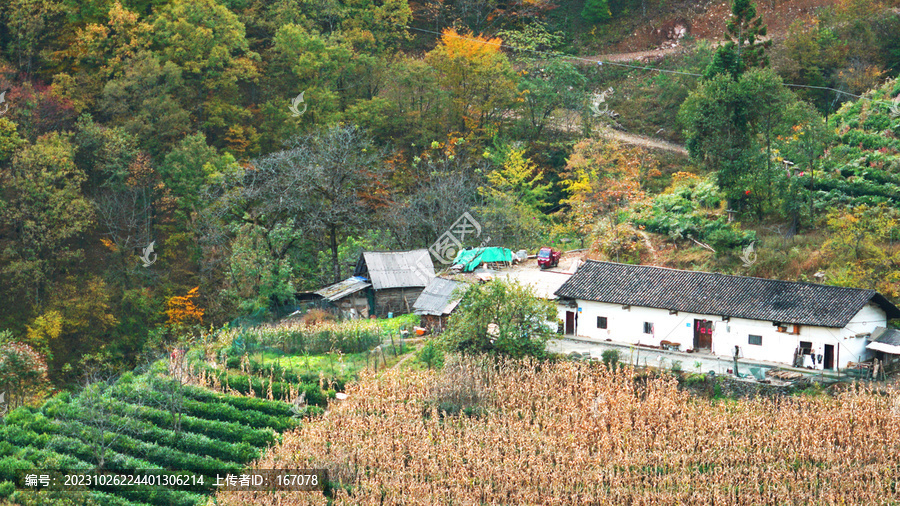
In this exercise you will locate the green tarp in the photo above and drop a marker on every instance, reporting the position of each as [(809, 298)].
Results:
[(471, 259)]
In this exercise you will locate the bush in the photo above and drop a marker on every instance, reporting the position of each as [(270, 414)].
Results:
[(210, 411), (7, 488), (225, 431), (309, 412), (431, 355), (611, 359)]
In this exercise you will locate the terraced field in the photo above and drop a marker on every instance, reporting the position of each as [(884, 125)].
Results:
[(145, 422)]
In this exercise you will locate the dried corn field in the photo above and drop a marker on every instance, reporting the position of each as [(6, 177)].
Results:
[(574, 433)]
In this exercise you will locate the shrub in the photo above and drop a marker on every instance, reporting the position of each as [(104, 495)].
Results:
[(225, 431), (431, 355), (610, 358), (7, 488)]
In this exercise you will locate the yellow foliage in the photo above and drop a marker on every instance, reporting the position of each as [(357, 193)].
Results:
[(109, 244), (182, 310), (44, 329), (469, 46)]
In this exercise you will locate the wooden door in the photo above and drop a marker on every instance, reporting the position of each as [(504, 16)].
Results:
[(703, 334), (829, 356), (570, 322)]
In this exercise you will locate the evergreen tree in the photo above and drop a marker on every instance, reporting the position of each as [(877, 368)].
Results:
[(596, 11), (743, 50)]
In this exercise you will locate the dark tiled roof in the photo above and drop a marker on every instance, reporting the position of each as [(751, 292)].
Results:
[(720, 294)]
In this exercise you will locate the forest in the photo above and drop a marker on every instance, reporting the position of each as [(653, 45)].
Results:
[(168, 167)]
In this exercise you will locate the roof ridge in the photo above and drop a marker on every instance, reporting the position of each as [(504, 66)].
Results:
[(771, 280)]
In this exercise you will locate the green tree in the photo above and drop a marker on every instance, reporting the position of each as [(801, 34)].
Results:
[(546, 87), (44, 210), (30, 26), (595, 11), (500, 317), (768, 100), (10, 141), (260, 267), (716, 120), (744, 49), (144, 101), (192, 165), (208, 43), (803, 144)]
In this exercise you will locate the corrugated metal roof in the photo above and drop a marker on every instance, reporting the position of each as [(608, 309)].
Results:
[(344, 288), (437, 298), (396, 269), (886, 336), (720, 294)]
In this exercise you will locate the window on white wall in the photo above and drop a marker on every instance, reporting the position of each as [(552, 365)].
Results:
[(648, 327), (601, 322), (757, 340)]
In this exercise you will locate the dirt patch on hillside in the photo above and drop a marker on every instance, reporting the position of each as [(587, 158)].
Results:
[(706, 20)]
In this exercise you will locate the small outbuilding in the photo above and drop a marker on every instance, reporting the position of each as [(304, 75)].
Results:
[(885, 343), (397, 278), (436, 302), (348, 296)]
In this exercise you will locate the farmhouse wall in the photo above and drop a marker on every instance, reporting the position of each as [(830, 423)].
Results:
[(628, 325)]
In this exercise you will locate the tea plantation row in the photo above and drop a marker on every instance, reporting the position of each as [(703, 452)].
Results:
[(144, 422)]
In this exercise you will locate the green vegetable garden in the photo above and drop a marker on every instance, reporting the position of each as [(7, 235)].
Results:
[(143, 422)]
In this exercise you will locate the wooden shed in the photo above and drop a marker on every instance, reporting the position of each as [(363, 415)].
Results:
[(437, 301), (397, 279)]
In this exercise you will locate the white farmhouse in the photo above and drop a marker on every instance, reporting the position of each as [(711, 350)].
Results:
[(801, 324)]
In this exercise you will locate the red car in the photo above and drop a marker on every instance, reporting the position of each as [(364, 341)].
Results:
[(548, 257)]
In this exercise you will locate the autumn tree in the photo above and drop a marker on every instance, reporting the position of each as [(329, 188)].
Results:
[(100, 52), (602, 176), (183, 311), (857, 248), (513, 198), (23, 373), (433, 192), (76, 323), (478, 77)]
